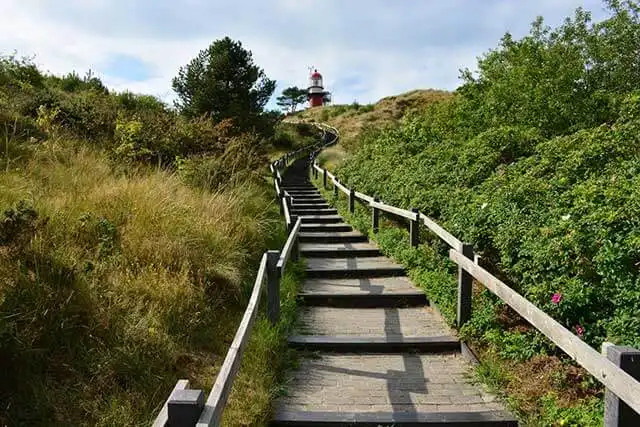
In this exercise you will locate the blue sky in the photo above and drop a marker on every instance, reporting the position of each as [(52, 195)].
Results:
[(365, 49)]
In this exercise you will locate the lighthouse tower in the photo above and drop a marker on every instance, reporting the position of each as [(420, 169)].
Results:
[(315, 92)]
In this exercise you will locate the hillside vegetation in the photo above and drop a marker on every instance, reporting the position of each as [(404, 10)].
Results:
[(535, 159), (129, 236)]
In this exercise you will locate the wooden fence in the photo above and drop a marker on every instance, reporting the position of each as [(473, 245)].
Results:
[(187, 407), (617, 368)]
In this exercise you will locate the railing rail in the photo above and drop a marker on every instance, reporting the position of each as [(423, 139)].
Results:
[(618, 370), (186, 407)]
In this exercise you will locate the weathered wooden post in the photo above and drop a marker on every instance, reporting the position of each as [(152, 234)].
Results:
[(273, 287), (465, 282), (352, 200), (335, 187), (375, 217), (184, 408), (616, 412), (414, 229), (324, 178)]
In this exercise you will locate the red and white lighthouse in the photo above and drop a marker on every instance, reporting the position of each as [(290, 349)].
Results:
[(315, 92)]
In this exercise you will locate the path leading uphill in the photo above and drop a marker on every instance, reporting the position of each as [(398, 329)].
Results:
[(381, 354)]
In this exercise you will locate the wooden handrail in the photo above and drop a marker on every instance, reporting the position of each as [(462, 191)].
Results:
[(441, 232), (212, 412), (364, 197), (342, 188), (392, 209), (289, 246), (615, 379)]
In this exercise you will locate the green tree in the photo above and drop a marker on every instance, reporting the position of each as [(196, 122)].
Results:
[(223, 82), (292, 97)]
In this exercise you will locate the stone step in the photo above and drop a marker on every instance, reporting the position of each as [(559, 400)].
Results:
[(333, 227), (314, 205), (302, 418), (372, 330), (353, 267), (321, 219), (387, 389), (338, 250), (313, 197), (366, 286), (342, 237), (314, 211), (372, 322)]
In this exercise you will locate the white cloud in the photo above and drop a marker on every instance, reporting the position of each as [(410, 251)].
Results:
[(391, 46)]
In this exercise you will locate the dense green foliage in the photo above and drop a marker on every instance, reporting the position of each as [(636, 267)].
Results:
[(536, 160), (225, 83), (116, 278)]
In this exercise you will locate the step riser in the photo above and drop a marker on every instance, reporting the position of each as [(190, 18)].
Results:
[(332, 239), (342, 253), (328, 228), (364, 300), (306, 196), (362, 345), (321, 220), (396, 419), (360, 273)]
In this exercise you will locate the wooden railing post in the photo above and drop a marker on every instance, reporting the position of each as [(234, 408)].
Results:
[(273, 287), (352, 200), (184, 408), (324, 178), (375, 217), (616, 412), (414, 229), (465, 281), (335, 187)]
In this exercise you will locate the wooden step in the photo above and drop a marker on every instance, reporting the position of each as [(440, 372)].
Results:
[(321, 219), (396, 299), (338, 250), (405, 389), (353, 267), (327, 228), (342, 237), (341, 418), (313, 211), (340, 344)]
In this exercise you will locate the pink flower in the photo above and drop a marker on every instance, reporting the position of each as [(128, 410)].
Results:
[(556, 298), (579, 330)]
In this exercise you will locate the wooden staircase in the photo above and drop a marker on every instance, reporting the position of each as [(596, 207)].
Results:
[(380, 354)]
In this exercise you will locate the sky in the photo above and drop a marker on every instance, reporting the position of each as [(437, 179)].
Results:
[(365, 50)]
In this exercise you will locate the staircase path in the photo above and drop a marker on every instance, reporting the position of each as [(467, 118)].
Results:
[(379, 354)]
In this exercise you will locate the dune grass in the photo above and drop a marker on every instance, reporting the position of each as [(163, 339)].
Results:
[(117, 281)]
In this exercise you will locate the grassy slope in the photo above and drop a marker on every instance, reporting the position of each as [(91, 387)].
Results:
[(127, 281), (353, 120)]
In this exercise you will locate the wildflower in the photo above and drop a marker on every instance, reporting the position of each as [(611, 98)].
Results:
[(484, 205), (579, 330), (556, 298), (566, 217)]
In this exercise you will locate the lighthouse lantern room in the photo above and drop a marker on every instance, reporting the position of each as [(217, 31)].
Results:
[(315, 92)]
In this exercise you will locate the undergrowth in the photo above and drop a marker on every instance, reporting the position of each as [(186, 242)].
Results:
[(537, 382)]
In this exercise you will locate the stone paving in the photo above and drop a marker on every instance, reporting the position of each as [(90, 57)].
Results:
[(386, 383)]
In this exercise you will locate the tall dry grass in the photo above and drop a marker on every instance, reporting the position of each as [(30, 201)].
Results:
[(126, 281)]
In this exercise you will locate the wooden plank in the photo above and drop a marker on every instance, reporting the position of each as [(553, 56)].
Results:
[(288, 246), (392, 209), (615, 379), (163, 416), (285, 207), (212, 412), (342, 188), (442, 233), (364, 197)]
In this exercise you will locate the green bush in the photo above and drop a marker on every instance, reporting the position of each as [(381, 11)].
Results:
[(535, 161)]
